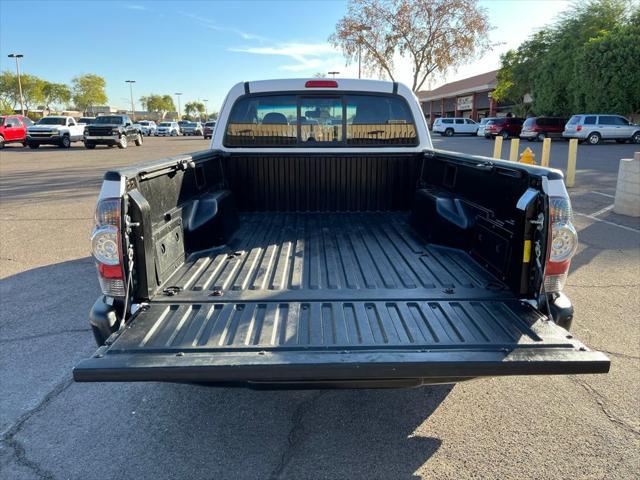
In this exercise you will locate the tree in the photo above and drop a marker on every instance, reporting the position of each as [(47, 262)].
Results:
[(55, 94), (88, 91), (194, 109), (213, 116), (32, 90), (616, 88), (587, 61), (436, 35), (518, 67), (160, 104)]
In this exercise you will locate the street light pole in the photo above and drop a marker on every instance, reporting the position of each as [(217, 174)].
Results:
[(177, 94), (359, 59), (333, 74), (206, 110), (17, 56), (133, 108)]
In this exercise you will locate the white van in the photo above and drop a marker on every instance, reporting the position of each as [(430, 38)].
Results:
[(455, 126)]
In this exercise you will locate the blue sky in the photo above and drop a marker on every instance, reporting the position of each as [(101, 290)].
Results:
[(202, 48)]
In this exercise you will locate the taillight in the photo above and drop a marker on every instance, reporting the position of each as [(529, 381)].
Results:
[(105, 245), (563, 246), (578, 128)]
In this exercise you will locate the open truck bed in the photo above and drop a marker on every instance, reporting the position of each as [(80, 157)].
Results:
[(339, 299)]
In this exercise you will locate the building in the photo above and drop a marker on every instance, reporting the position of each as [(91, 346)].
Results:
[(470, 98)]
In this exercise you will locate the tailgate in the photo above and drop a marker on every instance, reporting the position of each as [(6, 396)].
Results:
[(371, 343)]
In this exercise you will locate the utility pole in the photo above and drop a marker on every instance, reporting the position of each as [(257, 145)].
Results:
[(206, 110), (133, 108), (17, 56), (333, 74), (177, 94)]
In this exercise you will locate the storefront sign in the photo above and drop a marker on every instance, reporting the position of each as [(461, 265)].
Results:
[(465, 103)]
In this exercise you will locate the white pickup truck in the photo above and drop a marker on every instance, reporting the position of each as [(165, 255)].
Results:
[(54, 130), (321, 241)]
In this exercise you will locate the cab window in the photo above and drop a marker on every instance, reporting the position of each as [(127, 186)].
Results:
[(319, 120)]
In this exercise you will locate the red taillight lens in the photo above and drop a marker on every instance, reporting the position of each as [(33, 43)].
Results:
[(105, 243), (321, 84), (578, 128), (563, 244)]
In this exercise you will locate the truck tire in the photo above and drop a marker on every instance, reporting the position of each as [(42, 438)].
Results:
[(1, 142), (541, 136), (123, 143), (65, 142), (449, 132), (635, 138), (138, 140), (504, 134)]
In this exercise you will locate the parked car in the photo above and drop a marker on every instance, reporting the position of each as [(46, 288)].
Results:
[(182, 124), (455, 126), (13, 129), (167, 129), (593, 128), (148, 127), (482, 125), (86, 120), (112, 130), (192, 128), (54, 130), (504, 126), (208, 129), (539, 128), (346, 253)]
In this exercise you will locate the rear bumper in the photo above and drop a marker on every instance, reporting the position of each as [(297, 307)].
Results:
[(578, 135), (529, 134)]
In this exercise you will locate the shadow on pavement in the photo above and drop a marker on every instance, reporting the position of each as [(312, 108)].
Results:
[(155, 430)]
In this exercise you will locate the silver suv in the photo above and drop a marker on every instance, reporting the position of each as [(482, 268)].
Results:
[(594, 128)]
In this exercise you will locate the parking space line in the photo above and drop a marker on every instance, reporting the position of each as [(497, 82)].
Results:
[(624, 227), (602, 210), (604, 194)]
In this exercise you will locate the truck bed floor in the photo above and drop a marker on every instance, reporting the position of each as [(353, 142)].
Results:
[(308, 256), (331, 281)]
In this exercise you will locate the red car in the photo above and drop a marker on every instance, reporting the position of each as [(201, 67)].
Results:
[(13, 129), (505, 127), (539, 128), (208, 129)]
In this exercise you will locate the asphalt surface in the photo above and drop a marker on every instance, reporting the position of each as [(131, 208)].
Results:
[(521, 427)]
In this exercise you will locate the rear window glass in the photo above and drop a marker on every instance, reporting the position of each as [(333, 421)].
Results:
[(320, 120), (574, 120), (530, 122), (587, 120)]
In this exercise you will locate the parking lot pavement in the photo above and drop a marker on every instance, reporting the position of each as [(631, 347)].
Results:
[(524, 427)]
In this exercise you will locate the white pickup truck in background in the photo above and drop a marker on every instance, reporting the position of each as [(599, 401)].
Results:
[(54, 130)]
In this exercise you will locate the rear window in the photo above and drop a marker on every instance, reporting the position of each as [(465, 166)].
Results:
[(320, 120), (574, 120), (530, 122)]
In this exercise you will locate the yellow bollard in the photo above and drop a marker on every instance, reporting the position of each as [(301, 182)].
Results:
[(497, 148), (546, 152), (571, 162), (513, 152), (528, 157)]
